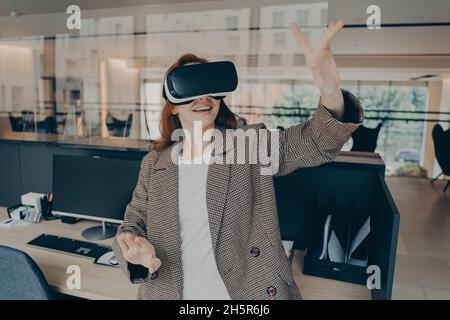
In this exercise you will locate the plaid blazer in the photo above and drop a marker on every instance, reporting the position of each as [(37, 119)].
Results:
[(241, 208)]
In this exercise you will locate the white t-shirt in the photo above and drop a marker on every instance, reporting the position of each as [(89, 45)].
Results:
[(201, 278)]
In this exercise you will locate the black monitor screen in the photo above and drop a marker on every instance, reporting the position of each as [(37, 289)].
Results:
[(99, 188)]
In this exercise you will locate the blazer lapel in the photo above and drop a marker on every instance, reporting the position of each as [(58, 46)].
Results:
[(165, 177)]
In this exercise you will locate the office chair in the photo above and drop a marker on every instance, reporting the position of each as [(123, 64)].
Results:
[(119, 128), (48, 125), (28, 117), (441, 141), (16, 122), (20, 277), (365, 139)]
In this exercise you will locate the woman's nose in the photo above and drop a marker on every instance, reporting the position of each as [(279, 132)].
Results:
[(203, 99)]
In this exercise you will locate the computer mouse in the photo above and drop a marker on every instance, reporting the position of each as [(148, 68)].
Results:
[(113, 261)]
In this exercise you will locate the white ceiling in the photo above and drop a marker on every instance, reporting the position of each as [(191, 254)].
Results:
[(26, 7)]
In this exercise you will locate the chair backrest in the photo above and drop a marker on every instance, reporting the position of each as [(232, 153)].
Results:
[(441, 140), (118, 127), (48, 125), (365, 139), (16, 123), (20, 277)]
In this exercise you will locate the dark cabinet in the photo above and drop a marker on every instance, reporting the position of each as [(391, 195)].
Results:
[(27, 167), (349, 193), (10, 174)]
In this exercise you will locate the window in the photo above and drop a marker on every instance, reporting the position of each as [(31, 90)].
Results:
[(232, 23), (302, 17), (278, 19), (298, 60), (17, 98), (279, 40), (399, 141), (151, 110), (323, 17), (275, 60), (233, 42), (117, 28), (2, 97)]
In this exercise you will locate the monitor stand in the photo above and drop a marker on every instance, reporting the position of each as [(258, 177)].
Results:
[(100, 232)]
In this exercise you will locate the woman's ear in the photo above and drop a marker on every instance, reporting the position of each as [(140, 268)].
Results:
[(174, 111)]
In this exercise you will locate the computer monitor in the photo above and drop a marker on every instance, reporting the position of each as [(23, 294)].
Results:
[(93, 188)]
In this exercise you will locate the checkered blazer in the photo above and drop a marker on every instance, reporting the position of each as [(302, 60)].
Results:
[(242, 213)]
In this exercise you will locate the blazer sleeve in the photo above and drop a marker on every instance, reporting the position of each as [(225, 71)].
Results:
[(135, 223), (319, 139)]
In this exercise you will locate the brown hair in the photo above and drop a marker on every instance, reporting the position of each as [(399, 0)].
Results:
[(170, 122)]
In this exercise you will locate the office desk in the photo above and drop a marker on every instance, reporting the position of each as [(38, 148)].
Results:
[(102, 282), (97, 281)]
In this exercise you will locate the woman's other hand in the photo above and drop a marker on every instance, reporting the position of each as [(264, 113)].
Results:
[(137, 250), (321, 62)]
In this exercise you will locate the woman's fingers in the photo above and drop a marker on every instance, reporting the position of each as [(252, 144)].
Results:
[(154, 264), (144, 244), (129, 239), (138, 249), (140, 241), (300, 37), (122, 243), (329, 34)]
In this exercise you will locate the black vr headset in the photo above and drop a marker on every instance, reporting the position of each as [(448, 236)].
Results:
[(184, 84)]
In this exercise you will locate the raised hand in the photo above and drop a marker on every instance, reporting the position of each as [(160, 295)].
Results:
[(138, 250), (321, 62)]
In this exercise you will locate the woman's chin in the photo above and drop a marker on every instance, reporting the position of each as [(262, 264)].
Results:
[(206, 119)]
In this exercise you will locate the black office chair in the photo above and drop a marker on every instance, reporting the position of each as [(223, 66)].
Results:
[(48, 125), (365, 139), (16, 122), (119, 128), (20, 277), (441, 141), (28, 121)]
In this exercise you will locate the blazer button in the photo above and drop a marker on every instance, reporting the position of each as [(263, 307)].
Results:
[(154, 275), (272, 291), (254, 252)]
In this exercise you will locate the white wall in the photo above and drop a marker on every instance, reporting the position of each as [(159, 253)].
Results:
[(17, 76)]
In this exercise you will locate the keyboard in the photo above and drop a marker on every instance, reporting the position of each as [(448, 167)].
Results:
[(70, 246)]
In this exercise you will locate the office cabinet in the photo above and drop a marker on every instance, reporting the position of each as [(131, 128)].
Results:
[(10, 176), (349, 193), (27, 166)]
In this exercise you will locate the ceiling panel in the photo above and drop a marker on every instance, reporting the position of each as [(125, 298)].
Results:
[(26, 7)]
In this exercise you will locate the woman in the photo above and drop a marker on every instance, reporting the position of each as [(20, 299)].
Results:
[(210, 231)]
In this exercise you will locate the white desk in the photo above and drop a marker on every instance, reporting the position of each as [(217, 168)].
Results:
[(97, 281), (103, 282)]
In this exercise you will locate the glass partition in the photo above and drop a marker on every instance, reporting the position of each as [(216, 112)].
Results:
[(106, 80), (23, 86)]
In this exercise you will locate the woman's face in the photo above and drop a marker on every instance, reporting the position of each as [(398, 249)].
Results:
[(204, 109)]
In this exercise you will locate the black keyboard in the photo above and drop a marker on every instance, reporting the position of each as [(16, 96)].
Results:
[(71, 246)]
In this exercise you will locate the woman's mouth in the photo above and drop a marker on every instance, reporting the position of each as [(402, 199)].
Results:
[(202, 109)]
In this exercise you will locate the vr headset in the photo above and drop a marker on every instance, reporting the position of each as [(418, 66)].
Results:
[(184, 84)]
